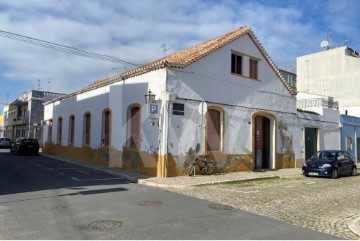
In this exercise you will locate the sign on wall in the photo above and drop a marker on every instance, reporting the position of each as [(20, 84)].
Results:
[(154, 109)]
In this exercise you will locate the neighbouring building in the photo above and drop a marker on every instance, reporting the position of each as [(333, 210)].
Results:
[(350, 135), (290, 78), (23, 116), (333, 72), (322, 117), (223, 98)]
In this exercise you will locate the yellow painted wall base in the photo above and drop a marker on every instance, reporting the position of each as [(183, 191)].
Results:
[(155, 165)]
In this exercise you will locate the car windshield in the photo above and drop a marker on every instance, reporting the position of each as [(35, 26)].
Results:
[(30, 142), (327, 155)]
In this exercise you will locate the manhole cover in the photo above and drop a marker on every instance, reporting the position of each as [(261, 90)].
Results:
[(150, 203), (221, 207), (105, 225)]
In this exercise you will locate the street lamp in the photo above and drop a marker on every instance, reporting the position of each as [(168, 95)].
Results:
[(149, 96)]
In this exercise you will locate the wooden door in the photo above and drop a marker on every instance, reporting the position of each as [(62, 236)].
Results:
[(310, 142)]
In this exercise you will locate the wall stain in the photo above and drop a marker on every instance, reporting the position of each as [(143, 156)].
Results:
[(286, 139)]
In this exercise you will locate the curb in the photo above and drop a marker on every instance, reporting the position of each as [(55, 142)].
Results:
[(354, 226), (161, 185)]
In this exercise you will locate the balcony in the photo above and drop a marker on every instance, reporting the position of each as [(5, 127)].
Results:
[(18, 121), (318, 102)]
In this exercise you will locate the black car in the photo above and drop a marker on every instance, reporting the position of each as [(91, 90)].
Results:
[(331, 163), (25, 146)]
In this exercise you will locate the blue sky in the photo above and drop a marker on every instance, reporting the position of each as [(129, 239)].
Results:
[(134, 30)]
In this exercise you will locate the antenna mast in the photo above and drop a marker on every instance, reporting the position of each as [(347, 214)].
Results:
[(163, 46), (39, 84)]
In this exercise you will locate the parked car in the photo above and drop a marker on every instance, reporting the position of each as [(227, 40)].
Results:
[(330, 163), (25, 146), (5, 143)]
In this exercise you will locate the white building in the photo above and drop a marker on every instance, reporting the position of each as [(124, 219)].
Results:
[(223, 98), (333, 72), (22, 117)]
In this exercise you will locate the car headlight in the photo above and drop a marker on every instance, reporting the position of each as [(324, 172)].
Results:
[(325, 165)]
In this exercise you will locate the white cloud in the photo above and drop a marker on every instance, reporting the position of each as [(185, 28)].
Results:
[(135, 29)]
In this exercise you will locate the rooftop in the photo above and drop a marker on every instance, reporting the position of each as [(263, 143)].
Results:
[(182, 59)]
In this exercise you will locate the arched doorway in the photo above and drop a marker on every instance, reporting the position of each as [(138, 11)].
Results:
[(264, 141)]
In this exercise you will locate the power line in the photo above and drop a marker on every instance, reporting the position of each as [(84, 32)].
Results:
[(64, 48)]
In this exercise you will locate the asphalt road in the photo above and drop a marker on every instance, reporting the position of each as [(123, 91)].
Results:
[(43, 198)]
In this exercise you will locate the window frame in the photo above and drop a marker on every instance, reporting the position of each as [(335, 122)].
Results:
[(86, 129), (178, 111), (234, 63)]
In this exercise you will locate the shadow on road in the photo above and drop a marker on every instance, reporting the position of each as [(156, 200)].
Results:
[(21, 174)]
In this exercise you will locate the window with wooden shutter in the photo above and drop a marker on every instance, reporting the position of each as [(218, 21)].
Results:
[(106, 128), (253, 71), (213, 130), (134, 129), (59, 130), (71, 129), (87, 129)]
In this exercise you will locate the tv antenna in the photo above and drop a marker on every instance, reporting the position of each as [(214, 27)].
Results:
[(163, 46)]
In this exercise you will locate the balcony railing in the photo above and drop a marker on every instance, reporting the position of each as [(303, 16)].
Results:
[(320, 102)]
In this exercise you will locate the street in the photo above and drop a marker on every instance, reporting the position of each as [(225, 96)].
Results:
[(43, 198)]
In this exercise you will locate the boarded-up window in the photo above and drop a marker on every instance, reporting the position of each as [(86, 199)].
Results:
[(87, 128), (213, 130), (134, 127), (59, 130), (253, 65), (106, 128), (71, 129)]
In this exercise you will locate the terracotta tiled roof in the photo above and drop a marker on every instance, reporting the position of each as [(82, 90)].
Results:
[(182, 59)]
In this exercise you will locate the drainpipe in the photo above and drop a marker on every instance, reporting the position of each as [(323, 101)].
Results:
[(355, 147), (169, 97), (167, 138)]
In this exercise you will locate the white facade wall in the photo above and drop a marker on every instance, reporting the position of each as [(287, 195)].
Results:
[(210, 80), (333, 73), (117, 97)]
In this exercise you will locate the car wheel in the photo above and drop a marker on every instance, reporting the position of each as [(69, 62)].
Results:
[(353, 171), (334, 174)]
